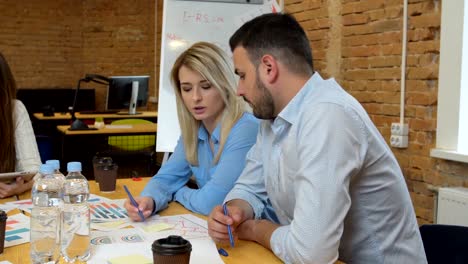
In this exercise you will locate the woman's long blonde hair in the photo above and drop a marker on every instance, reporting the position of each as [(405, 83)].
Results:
[(213, 64)]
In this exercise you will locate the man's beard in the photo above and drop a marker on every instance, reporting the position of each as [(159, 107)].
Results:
[(263, 108)]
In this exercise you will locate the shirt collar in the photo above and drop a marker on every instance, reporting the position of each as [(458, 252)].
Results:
[(203, 133), (290, 112)]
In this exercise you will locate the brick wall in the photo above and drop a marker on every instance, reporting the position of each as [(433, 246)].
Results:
[(359, 43), (53, 43), (118, 39), (42, 41)]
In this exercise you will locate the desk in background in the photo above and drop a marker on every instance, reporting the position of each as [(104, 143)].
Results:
[(82, 145), (243, 252), (136, 129), (49, 139), (147, 115)]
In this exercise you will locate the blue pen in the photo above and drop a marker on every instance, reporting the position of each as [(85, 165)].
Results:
[(134, 203), (231, 239)]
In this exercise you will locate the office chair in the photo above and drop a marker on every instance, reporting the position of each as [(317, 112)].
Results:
[(133, 154), (447, 244), (132, 143)]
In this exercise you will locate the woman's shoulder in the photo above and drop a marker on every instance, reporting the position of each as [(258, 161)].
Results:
[(19, 110), (18, 106), (247, 124), (250, 117)]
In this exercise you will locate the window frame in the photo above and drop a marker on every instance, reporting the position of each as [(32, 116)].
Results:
[(453, 84)]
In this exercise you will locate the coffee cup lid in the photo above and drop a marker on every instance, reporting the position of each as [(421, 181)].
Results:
[(172, 245)]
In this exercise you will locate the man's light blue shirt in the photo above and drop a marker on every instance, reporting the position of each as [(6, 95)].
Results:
[(214, 180), (334, 184)]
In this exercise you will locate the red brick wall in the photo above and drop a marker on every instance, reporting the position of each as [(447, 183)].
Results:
[(53, 43), (42, 41), (359, 43), (118, 39)]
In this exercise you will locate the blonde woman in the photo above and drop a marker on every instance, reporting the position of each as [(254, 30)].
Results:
[(217, 133)]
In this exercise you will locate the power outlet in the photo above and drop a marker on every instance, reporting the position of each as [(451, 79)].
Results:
[(399, 141), (399, 129)]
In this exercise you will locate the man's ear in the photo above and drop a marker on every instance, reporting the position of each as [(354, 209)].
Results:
[(269, 67)]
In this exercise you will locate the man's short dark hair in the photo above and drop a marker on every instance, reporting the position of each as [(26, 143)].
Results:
[(279, 35)]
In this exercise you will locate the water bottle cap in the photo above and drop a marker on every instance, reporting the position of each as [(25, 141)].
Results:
[(74, 166), (46, 169), (54, 163)]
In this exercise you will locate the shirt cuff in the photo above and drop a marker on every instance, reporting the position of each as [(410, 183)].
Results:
[(253, 200), (159, 198)]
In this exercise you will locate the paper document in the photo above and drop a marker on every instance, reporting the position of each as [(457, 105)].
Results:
[(25, 205), (203, 251), (17, 230), (186, 225), (134, 259)]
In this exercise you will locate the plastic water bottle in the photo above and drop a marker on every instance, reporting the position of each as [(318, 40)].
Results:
[(42, 171), (56, 165), (46, 195), (76, 219)]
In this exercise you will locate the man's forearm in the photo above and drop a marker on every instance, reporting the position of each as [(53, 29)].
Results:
[(259, 231)]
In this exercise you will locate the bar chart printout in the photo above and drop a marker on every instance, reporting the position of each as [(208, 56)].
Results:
[(107, 211), (17, 230)]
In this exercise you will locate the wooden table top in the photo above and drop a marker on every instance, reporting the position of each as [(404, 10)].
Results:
[(243, 252), (112, 130), (65, 116)]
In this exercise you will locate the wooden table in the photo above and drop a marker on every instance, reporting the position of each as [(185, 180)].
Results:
[(67, 116), (243, 252), (135, 129)]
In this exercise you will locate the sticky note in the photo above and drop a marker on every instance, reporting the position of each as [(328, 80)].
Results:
[(157, 227), (134, 259), (114, 224)]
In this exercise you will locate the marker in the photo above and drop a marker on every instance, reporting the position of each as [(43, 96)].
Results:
[(134, 203), (231, 239)]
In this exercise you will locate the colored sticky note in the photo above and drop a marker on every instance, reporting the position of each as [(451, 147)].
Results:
[(157, 227), (108, 226), (134, 259)]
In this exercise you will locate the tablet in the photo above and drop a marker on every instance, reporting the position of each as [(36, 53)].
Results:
[(11, 176)]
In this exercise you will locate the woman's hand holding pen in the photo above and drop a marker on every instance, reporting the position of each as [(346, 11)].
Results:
[(145, 204)]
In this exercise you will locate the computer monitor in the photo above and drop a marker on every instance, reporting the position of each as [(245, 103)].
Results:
[(127, 93)]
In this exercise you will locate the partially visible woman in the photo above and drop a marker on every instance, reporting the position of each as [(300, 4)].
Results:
[(217, 132), (18, 147)]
